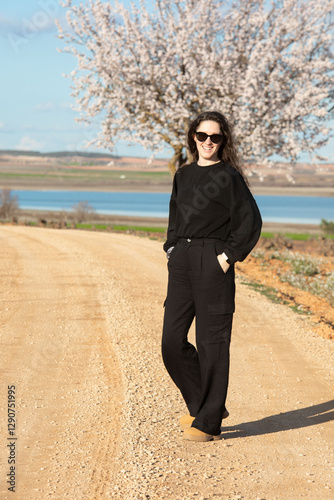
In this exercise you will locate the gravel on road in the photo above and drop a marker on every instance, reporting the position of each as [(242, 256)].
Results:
[(96, 412)]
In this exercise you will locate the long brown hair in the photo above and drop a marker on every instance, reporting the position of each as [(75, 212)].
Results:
[(227, 152)]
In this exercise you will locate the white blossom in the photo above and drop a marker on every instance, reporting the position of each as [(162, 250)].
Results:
[(146, 73)]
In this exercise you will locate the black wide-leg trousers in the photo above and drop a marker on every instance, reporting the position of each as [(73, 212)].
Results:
[(198, 288)]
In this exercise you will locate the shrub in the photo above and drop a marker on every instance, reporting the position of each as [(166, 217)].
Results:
[(300, 264), (324, 288), (82, 212), (306, 266), (327, 226), (9, 204)]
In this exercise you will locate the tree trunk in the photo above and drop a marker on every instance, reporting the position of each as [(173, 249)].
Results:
[(178, 159)]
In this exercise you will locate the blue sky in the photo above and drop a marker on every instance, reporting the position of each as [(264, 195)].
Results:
[(35, 98)]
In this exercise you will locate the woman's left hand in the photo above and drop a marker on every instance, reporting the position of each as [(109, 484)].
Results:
[(223, 264)]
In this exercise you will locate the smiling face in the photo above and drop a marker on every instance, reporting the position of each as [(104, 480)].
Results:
[(207, 150)]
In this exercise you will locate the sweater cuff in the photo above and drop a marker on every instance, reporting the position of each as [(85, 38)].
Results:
[(228, 257), (169, 251)]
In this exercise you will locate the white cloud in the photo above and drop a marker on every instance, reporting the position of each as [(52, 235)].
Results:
[(45, 106), (29, 144), (26, 27), (19, 31), (51, 106), (7, 25), (66, 105)]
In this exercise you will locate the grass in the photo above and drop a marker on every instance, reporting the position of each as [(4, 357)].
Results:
[(291, 236), (28, 176), (274, 296), (121, 227), (77, 174), (101, 227), (298, 236), (295, 236), (140, 228), (106, 227), (268, 291)]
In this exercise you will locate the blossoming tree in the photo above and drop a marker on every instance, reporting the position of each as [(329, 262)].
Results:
[(146, 72)]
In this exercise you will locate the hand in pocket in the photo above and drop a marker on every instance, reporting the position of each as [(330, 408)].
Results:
[(223, 264)]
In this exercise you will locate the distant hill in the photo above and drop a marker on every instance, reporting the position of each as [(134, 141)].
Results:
[(56, 154), (12, 159)]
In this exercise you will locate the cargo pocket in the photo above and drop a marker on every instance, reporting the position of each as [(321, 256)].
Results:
[(222, 307)]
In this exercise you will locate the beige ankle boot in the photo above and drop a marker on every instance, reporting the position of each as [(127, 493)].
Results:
[(187, 420)]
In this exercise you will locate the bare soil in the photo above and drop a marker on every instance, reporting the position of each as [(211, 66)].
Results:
[(267, 271), (97, 415)]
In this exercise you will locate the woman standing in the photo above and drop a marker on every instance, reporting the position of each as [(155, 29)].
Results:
[(213, 222)]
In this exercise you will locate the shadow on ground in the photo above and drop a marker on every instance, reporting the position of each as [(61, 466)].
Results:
[(294, 419)]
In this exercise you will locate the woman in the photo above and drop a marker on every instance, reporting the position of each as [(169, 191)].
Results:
[(213, 222)]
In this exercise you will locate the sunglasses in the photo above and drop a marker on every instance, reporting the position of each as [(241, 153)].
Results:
[(202, 137)]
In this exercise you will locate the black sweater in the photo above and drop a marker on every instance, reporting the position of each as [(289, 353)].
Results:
[(214, 202)]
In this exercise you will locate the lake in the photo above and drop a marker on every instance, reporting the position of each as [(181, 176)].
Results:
[(285, 209)]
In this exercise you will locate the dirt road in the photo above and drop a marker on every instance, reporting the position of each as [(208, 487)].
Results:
[(96, 413)]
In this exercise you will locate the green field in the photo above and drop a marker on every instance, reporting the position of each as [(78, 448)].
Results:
[(87, 175)]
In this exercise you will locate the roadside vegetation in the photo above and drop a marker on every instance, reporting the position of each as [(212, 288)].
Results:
[(9, 204), (82, 212), (327, 226), (301, 271), (302, 279)]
